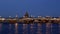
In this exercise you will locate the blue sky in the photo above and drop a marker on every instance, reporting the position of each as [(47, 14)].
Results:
[(34, 7)]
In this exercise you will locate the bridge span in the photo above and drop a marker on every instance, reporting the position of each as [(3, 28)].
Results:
[(30, 20)]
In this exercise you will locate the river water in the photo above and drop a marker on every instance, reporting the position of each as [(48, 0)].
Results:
[(45, 28)]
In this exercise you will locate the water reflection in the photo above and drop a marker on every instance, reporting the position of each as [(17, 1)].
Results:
[(20, 28), (0, 28), (5, 29), (25, 30), (46, 28), (59, 28), (43, 28), (39, 30), (31, 28), (10, 28), (16, 28), (55, 28)]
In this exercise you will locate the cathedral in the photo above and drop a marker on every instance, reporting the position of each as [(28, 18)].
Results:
[(26, 15)]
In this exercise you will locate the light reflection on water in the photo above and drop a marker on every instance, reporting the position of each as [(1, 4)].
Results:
[(16, 28), (0, 28), (9, 28), (48, 28), (31, 28), (39, 28), (25, 29)]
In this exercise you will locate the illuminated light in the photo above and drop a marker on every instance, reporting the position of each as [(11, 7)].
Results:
[(14, 19), (47, 16), (3, 19), (0, 16), (9, 16), (54, 18), (23, 16), (39, 16)]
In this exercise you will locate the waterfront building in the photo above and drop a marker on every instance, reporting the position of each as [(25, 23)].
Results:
[(26, 15)]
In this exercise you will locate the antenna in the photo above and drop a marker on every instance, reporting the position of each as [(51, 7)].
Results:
[(16, 15)]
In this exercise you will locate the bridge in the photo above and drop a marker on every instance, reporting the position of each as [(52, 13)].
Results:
[(30, 20)]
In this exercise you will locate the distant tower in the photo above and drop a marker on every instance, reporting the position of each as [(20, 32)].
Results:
[(16, 16), (26, 15), (9, 16)]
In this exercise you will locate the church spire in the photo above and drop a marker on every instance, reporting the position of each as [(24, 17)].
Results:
[(26, 14)]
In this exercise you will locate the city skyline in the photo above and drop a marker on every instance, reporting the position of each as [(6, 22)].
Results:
[(27, 15)]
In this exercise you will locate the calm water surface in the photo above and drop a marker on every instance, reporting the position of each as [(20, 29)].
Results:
[(30, 28)]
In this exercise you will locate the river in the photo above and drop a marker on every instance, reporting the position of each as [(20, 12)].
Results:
[(45, 28)]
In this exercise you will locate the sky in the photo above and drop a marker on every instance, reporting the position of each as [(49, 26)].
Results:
[(33, 7)]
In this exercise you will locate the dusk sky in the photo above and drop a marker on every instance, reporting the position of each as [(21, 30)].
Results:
[(34, 7)]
